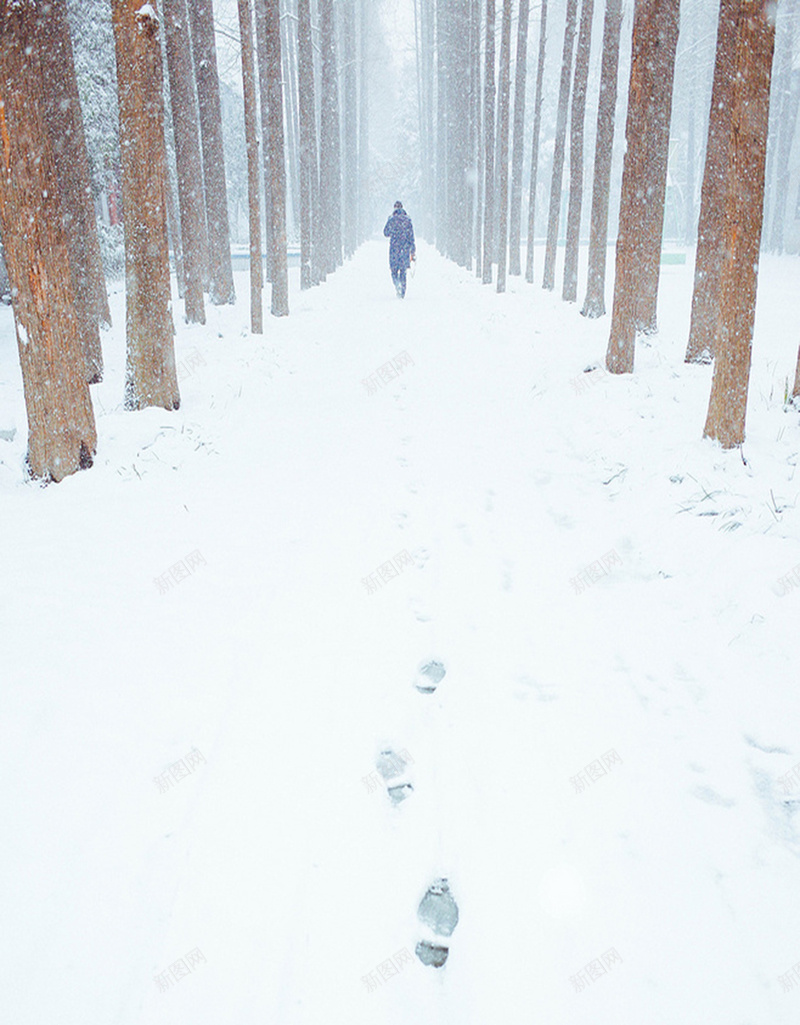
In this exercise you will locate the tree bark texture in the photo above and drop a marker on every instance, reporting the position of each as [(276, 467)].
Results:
[(150, 378), (594, 304), (253, 181), (188, 161), (742, 222), (488, 145), (61, 429), (65, 124), (569, 290), (201, 14), (330, 164), (518, 147), (644, 179), (308, 138)]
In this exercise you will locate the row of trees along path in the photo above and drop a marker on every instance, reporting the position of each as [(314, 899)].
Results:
[(47, 218), (464, 82), (472, 147)]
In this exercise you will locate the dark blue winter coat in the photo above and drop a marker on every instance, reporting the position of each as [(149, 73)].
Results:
[(401, 231)]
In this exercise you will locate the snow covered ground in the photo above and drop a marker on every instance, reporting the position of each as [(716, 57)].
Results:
[(205, 652)]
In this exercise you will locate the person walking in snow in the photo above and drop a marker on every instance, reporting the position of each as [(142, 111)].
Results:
[(402, 248)]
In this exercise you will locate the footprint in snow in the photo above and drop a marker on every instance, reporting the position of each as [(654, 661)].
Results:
[(392, 766), (429, 676), (438, 912)]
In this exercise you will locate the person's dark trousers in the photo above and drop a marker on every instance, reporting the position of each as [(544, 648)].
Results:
[(399, 279)]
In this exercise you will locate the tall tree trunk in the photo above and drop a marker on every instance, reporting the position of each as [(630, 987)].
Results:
[(253, 183), (61, 430), (518, 149), (442, 126), (174, 231), (569, 291), (458, 117), (150, 378), (269, 44), (742, 221), (488, 145), (204, 49), (595, 304), (537, 126), (260, 14), (708, 257), (289, 52), (308, 138), (691, 155), (65, 124), (502, 146), (350, 99), (477, 114), (187, 158), (554, 214), (330, 165), (663, 46), (644, 178)]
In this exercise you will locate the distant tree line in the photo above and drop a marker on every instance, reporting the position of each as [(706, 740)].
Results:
[(473, 131)]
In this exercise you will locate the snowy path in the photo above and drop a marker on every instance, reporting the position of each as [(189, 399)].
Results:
[(503, 480)]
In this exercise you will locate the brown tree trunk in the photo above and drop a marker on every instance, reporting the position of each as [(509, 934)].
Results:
[(518, 147), (742, 221), (503, 105), (595, 304), (194, 243), (201, 19), (268, 28), (644, 178), (174, 233), (150, 378), (549, 278), (61, 430), (308, 138), (65, 124), (330, 165), (289, 58), (708, 256), (569, 291), (253, 183), (488, 145), (477, 114), (537, 125), (661, 47)]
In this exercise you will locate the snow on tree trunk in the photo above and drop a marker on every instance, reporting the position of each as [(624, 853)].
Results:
[(65, 124), (61, 430), (708, 255), (308, 139), (194, 240), (554, 214), (742, 221), (253, 182), (537, 125), (594, 304), (518, 148), (204, 50), (330, 167), (268, 28), (644, 179), (503, 105), (569, 291), (488, 145), (150, 378)]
